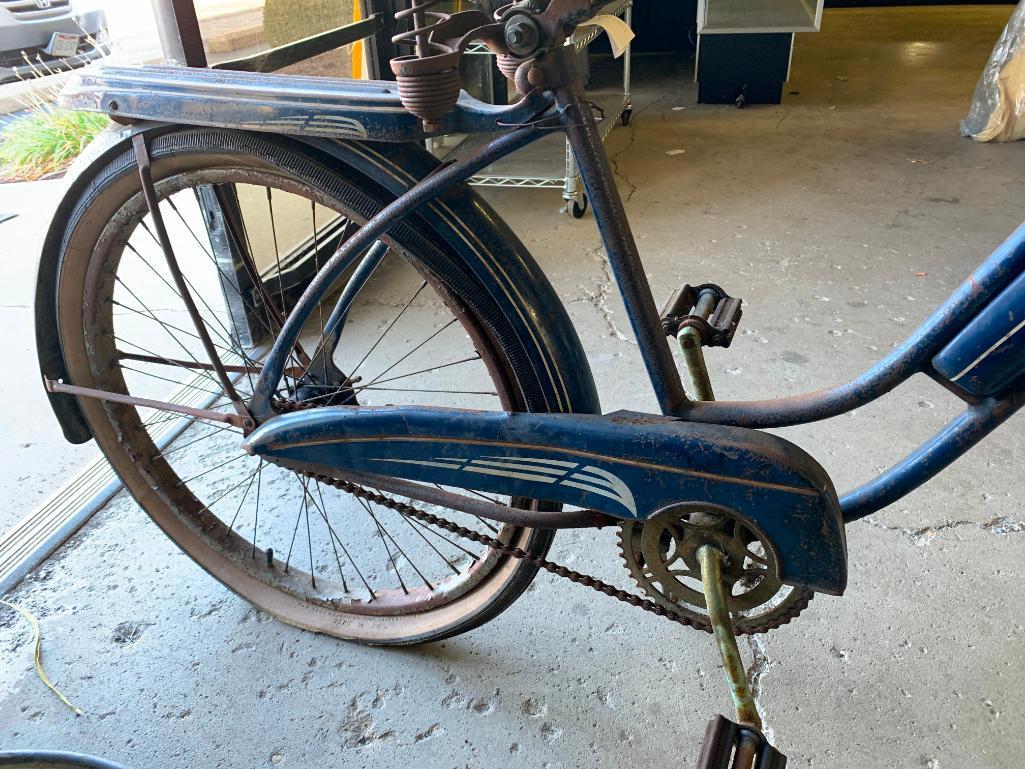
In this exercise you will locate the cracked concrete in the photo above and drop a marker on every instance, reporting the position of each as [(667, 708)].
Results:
[(838, 229), (605, 289), (756, 672), (1000, 526)]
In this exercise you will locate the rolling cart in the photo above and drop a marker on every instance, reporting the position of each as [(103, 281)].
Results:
[(548, 163)]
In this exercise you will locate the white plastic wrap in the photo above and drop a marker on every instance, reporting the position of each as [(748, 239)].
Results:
[(998, 105)]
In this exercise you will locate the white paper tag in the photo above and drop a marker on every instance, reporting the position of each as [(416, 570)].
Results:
[(619, 32)]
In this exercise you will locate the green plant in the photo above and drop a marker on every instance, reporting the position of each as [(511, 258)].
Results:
[(46, 140), (287, 20)]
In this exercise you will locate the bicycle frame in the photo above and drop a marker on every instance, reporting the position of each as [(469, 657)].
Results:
[(361, 110)]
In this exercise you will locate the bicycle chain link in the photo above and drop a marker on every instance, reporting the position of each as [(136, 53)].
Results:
[(496, 544)]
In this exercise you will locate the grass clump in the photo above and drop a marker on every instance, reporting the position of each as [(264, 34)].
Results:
[(46, 140), (285, 21)]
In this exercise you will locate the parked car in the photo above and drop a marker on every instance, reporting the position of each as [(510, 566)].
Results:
[(54, 34)]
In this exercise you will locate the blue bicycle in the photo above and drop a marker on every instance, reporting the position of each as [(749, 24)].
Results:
[(379, 410)]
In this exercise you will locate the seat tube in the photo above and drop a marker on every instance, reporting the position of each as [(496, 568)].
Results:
[(624, 259)]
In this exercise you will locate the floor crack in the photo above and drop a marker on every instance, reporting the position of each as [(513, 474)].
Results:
[(756, 672), (614, 159), (598, 298), (614, 162), (1001, 525)]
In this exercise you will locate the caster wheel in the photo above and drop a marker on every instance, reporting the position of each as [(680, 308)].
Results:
[(625, 117), (578, 210)]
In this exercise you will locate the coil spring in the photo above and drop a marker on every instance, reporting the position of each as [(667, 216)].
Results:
[(419, 35), (428, 80), (508, 65)]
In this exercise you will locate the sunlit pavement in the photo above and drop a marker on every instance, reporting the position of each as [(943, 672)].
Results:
[(33, 454)]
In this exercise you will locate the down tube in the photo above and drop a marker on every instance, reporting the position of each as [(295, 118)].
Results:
[(955, 440), (625, 261), (380, 225)]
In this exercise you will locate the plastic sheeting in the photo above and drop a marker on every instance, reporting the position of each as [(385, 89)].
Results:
[(998, 105)]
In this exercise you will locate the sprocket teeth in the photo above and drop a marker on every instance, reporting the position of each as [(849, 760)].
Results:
[(797, 600)]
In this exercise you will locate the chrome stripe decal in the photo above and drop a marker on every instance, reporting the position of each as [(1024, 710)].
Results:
[(810, 490), (539, 460), (593, 480), (458, 464), (508, 474), (513, 465), (603, 493), (986, 354)]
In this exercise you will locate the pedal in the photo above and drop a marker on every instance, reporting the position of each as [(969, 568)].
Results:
[(736, 746), (709, 310)]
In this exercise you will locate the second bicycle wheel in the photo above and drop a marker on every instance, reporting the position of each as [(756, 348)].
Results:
[(415, 334)]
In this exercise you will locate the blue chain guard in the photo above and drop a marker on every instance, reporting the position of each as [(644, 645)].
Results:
[(626, 465)]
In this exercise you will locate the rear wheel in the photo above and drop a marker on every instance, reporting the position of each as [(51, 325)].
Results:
[(415, 334)]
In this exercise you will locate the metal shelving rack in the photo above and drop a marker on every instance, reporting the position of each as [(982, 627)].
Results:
[(532, 168)]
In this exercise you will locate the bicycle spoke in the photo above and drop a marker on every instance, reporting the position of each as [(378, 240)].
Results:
[(217, 429), (277, 250), (309, 537), (331, 538), (242, 501), (417, 373), (256, 514), (423, 390), (122, 355), (316, 266), (413, 521), (352, 561), (122, 305), (295, 530), (174, 289), (171, 381), (391, 325), (425, 341), (384, 542), (225, 494), (211, 469), (154, 317), (234, 342)]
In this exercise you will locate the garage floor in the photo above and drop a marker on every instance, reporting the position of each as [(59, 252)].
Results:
[(842, 218)]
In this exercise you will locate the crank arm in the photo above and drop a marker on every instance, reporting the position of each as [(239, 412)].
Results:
[(730, 745), (235, 420)]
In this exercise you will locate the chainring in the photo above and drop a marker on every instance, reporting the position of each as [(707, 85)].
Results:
[(661, 555)]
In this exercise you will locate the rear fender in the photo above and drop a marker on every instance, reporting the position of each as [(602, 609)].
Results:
[(107, 146), (468, 225)]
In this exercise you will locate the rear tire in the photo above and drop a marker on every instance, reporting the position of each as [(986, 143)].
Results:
[(99, 234)]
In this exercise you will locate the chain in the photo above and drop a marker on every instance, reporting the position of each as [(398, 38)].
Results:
[(496, 544)]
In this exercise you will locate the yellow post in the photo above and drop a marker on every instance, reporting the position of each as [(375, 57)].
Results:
[(357, 47)]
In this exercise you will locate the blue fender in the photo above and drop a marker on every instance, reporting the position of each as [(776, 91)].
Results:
[(107, 146), (490, 250)]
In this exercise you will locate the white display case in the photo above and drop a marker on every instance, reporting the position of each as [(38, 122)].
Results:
[(746, 16)]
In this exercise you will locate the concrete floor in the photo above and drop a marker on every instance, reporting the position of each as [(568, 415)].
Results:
[(30, 442), (841, 217)]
